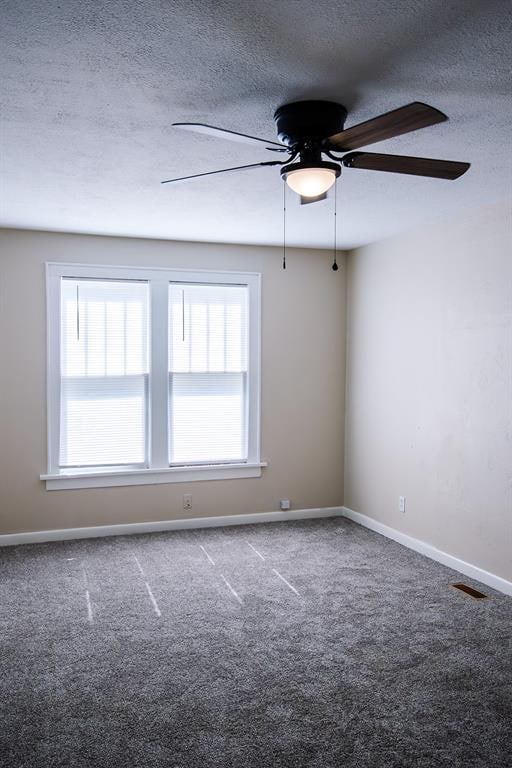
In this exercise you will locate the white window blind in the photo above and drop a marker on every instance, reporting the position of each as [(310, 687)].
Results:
[(208, 373), (104, 334)]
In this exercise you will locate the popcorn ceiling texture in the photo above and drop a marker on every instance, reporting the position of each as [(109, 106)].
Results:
[(90, 89)]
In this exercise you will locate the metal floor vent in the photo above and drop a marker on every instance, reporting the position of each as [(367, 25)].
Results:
[(469, 591)]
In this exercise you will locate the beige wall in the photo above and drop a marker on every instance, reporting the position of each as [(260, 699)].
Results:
[(429, 385), (303, 340)]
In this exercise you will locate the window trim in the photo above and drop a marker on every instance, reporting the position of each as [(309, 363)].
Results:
[(159, 470)]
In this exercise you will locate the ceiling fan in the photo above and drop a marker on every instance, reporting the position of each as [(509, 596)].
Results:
[(308, 130)]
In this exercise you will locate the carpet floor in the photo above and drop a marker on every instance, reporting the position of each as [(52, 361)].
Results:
[(313, 644)]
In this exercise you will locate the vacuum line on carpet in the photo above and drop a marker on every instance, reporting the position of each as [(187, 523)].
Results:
[(207, 555), (139, 565), (151, 595), (152, 598), (273, 569), (89, 606), (255, 550), (286, 582), (226, 582), (233, 592), (87, 595)]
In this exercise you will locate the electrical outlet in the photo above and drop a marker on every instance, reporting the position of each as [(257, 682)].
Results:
[(187, 501), (284, 504), (401, 504)]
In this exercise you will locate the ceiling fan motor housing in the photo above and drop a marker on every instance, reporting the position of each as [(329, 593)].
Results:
[(308, 122)]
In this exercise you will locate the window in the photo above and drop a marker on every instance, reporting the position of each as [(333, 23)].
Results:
[(207, 373), (103, 373), (153, 376)]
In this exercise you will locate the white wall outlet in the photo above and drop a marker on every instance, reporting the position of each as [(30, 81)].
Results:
[(284, 504), (401, 503), (187, 501)]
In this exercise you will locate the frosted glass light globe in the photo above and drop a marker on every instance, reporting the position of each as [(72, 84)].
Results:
[(310, 182)]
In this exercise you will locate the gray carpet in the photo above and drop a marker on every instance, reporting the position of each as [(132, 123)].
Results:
[(339, 649)]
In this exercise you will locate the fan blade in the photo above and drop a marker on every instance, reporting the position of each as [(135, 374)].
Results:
[(409, 118), (223, 133), (222, 170), (306, 200), (416, 166)]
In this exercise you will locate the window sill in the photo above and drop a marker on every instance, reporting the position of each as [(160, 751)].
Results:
[(66, 481)]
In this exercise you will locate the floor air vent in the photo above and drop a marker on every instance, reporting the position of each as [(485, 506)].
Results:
[(469, 591)]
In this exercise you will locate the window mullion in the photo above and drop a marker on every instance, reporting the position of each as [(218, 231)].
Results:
[(158, 386), (253, 371), (54, 368)]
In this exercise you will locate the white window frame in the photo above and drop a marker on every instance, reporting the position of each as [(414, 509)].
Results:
[(158, 470)]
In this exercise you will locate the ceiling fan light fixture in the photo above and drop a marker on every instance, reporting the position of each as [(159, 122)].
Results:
[(309, 180)]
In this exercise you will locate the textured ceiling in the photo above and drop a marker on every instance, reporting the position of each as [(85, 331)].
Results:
[(90, 89)]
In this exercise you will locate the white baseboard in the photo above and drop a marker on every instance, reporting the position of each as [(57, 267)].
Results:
[(33, 537), (485, 577)]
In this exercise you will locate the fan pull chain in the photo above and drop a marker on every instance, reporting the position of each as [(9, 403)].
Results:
[(183, 315), (284, 225), (334, 263), (77, 313)]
